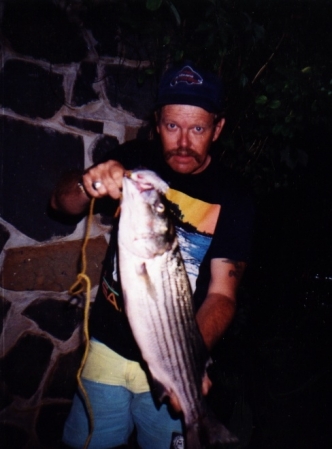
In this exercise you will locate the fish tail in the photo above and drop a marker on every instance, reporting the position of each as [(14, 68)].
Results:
[(193, 437), (215, 432)]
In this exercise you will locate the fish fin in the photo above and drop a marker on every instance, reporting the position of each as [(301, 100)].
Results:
[(216, 432), (142, 271), (209, 433), (159, 391)]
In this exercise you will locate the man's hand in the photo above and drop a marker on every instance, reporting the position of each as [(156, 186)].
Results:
[(104, 179), (206, 385)]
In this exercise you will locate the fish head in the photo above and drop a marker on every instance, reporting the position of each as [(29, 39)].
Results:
[(146, 228)]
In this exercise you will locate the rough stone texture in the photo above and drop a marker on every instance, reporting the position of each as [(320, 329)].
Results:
[(24, 366), (4, 234), (62, 380), (102, 147), (131, 133), (119, 41), (58, 318), (83, 90), (30, 90), (86, 125), (4, 307), (40, 29), (124, 88), (50, 422), (34, 157), (61, 110), (51, 267), (12, 437), (102, 21)]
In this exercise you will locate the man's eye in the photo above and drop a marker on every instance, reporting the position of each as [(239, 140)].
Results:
[(171, 125), (199, 129)]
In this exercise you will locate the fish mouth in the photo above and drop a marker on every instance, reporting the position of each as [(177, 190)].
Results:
[(139, 181)]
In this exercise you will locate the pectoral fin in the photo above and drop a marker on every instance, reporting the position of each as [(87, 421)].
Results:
[(143, 273)]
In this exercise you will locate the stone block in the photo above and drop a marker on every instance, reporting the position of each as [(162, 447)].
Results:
[(24, 366), (57, 318), (62, 382), (49, 425), (117, 34), (12, 437), (51, 267), (83, 92), (4, 235), (31, 91), (42, 30), (130, 89), (130, 133), (33, 159), (102, 147), (84, 124), (4, 307), (103, 22)]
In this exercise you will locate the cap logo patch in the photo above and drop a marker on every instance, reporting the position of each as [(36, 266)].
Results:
[(187, 75)]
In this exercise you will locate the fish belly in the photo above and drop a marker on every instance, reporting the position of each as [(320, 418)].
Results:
[(159, 308)]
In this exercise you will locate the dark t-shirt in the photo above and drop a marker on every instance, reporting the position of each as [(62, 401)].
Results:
[(213, 215)]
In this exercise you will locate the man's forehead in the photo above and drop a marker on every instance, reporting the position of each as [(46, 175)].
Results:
[(186, 111)]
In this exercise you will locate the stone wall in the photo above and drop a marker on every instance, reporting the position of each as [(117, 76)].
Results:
[(71, 88)]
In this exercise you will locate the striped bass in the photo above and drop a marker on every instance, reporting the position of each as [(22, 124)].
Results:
[(158, 303)]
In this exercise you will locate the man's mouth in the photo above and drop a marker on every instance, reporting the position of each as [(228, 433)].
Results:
[(182, 154)]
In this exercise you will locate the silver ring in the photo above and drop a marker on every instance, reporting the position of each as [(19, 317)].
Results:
[(96, 185)]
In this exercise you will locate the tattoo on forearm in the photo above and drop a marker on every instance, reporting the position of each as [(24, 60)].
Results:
[(237, 270)]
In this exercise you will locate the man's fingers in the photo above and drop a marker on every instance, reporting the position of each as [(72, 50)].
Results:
[(206, 384), (104, 179)]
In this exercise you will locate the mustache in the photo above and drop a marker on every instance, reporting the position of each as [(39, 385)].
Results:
[(182, 152)]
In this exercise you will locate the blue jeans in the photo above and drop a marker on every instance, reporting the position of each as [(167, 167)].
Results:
[(116, 411)]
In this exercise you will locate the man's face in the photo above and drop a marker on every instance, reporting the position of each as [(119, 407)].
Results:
[(187, 133)]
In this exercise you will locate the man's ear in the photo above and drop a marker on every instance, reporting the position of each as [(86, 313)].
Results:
[(157, 118), (218, 128)]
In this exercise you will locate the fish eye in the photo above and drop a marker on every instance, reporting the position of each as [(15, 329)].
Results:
[(160, 208)]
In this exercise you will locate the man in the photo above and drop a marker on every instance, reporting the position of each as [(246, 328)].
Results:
[(213, 216)]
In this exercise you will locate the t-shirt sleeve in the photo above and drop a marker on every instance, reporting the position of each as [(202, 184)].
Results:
[(234, 230)]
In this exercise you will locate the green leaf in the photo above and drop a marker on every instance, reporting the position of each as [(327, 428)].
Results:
[(306, 70), (175, 13), (140, 78), (203, 26), (150, 71), (243, 80), (277, 129), (274, 104), (178, 55), (166, 40), (153, 5), (262, 99)]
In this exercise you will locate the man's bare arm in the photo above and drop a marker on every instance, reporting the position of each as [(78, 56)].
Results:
[(218, 309), (74, 191)]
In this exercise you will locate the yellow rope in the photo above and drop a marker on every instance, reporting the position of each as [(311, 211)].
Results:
[(82, 281)]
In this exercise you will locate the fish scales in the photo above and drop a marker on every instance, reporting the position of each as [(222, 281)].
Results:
[(179, 306), (158, 303)]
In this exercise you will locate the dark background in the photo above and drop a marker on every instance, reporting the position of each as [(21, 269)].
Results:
[(272, 371)]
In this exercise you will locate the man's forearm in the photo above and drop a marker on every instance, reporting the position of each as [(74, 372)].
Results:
[(69, 195), (214, 316)]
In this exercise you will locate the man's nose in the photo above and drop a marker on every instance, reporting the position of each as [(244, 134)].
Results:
[(184, 141)]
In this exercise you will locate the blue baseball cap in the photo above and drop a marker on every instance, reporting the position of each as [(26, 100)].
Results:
[(191, 86)]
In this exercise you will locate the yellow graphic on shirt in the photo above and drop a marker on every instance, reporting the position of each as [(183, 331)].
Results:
[(203, 216)]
